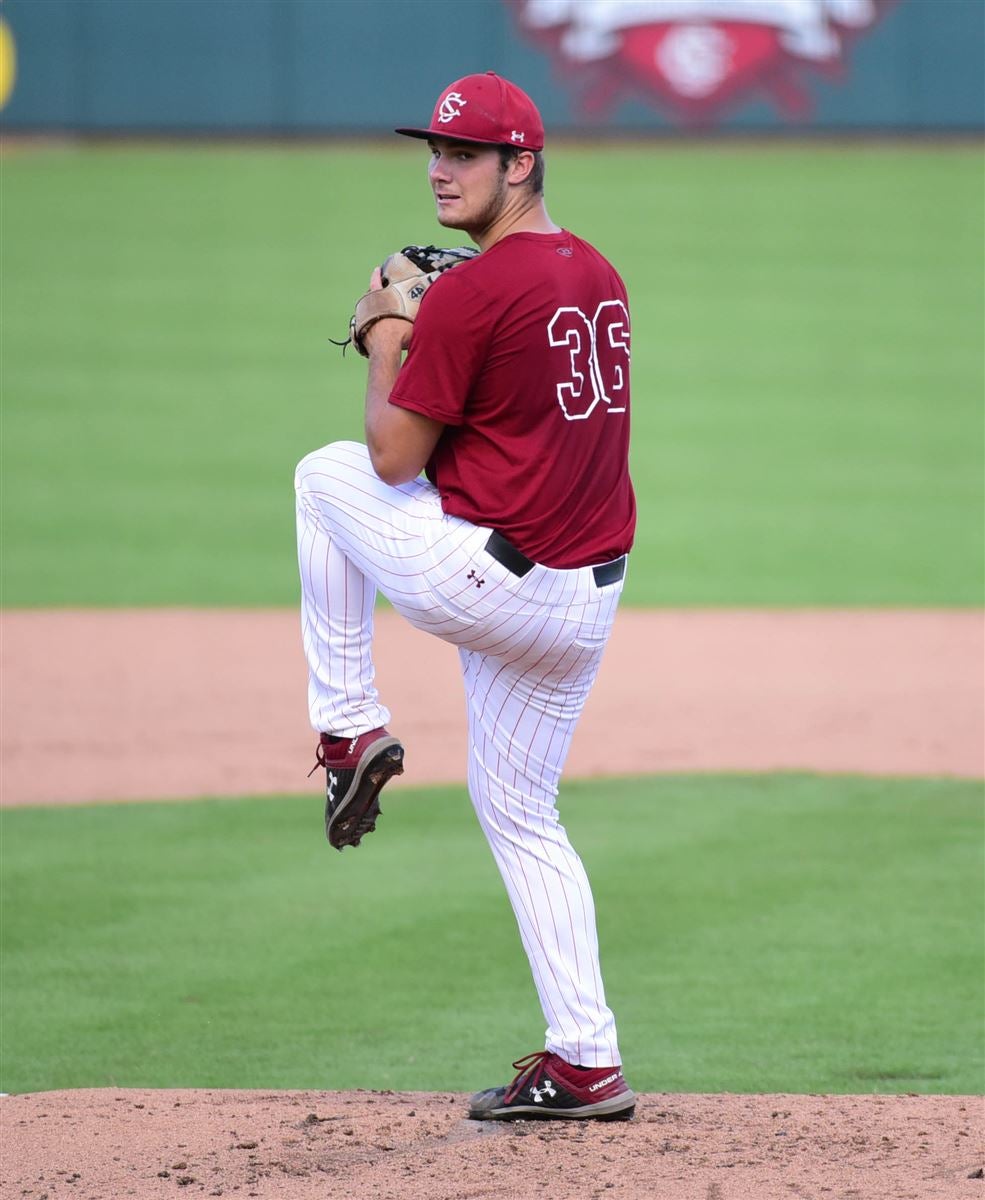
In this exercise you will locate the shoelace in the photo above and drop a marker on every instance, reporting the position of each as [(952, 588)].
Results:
[(529, 1070), (320, 759)]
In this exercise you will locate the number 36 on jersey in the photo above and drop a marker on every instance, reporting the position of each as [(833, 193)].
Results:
[(596, 354)]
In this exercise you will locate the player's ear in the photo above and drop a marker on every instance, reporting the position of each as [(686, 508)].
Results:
[(521, 167)]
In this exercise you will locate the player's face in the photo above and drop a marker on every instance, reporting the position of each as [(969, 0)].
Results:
[(468, 182)]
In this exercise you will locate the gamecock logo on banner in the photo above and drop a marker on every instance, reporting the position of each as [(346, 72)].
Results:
[(697, 57)]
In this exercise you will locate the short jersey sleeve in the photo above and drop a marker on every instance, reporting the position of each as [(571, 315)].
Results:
[(447, 351)]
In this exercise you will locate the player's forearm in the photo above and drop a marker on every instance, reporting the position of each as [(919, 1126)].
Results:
[(384, 366), (399, 442)]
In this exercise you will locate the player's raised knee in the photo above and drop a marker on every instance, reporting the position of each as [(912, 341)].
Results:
[(334, 461)]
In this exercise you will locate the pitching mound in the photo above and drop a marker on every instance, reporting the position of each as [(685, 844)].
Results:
[(108, 1144)]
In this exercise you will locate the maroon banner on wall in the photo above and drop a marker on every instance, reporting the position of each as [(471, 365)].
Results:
[(695, 60)]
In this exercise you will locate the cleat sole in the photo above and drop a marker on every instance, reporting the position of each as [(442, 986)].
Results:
[(350, 822)]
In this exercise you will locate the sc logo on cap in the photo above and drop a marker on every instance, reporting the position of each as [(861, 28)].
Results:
[(451, 107)]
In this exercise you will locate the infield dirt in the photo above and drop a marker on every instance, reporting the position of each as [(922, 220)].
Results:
[(173, 703)]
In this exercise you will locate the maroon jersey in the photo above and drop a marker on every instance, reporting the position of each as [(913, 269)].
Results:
[(523, 353)]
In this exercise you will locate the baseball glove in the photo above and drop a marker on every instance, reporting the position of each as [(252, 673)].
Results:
[(406, 276)]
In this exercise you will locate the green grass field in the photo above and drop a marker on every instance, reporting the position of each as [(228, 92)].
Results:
[(779, 934), (808, 428), (808, 368)]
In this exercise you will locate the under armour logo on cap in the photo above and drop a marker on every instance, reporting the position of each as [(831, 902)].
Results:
[(486, 109)]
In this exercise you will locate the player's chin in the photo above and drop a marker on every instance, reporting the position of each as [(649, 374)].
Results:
[(447, 219)]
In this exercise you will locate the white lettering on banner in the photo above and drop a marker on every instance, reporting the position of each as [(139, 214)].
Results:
[(593, 26), (598, 356)]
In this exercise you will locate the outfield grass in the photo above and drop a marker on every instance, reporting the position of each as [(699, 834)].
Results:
[(790, 933), (808, 367)]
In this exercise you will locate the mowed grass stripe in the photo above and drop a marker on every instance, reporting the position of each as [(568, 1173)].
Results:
[(780, 933), (807, 362)]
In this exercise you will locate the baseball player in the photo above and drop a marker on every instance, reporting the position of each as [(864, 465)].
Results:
[(513, 400)]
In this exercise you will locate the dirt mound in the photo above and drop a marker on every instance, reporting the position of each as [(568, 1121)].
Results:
[(110, 1143)]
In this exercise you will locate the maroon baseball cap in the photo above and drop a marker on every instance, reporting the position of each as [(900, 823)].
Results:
[(488, 109)]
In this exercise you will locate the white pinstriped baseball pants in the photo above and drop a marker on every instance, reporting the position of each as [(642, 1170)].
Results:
[(529, 648)]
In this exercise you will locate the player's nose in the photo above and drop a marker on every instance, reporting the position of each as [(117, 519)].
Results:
[(438, 169)]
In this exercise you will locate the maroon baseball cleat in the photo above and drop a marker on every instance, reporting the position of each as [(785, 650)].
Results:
[(356, 769), (547, 1087)]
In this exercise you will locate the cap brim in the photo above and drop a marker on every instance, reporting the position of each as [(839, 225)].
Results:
[(444, 133)]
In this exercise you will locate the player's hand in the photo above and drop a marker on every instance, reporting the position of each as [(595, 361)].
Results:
[(395, 291), (387, 336)]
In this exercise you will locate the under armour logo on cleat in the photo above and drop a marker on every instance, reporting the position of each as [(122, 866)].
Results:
[(478, 582), (333, 780), (546, 1090), (602, 1082)]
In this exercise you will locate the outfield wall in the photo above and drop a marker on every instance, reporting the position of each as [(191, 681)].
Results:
[(361, 66)]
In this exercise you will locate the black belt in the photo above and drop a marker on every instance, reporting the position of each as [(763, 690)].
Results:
[(507, 555)]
